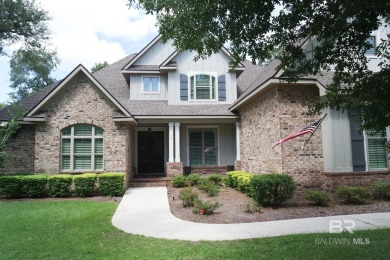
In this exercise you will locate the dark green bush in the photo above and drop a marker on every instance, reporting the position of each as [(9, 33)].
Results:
[(111, 184), (34, 186), (84, 184), (319, 198), (381, 190), (59, 185), (11, 186), (205, 207), (188, 197), (353, 195), (179, 181), (216, 178), (209, 187), (239, 180), (271, 189), (194, 178)]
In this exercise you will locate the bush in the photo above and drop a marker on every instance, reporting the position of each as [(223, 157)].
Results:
[(239, 180), (179, 181), (205, 207), (209, 187), (353, 195), (381, 190), (319, 198), (252, 207), (188, 197), (111, 183), (59, 185), (194, 178), (84, 184), (34, 186), (216, 178), (271, 189), (11, 186)]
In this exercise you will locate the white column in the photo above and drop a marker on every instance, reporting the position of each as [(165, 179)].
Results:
[(171, 158), (238, 155), (177, 142)]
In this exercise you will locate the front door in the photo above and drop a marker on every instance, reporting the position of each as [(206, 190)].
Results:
[(151, 153)]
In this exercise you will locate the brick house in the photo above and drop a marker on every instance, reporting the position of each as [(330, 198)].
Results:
[(160, 113)]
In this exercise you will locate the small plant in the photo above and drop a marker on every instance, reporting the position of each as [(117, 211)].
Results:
[(239, 180), (205, 207), (353, 195), (179, 181), (111, 183), (253, 207), (319, 198), (84, 184), (216, 178), (188, 197), (381, 190), (59, 185), (209, 187), (194, 179)]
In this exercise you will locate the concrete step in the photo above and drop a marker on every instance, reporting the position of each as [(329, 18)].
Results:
[(149, 182)]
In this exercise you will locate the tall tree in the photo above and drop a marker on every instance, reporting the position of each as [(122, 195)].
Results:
[(7, 130), (253, 28), (99, 66)]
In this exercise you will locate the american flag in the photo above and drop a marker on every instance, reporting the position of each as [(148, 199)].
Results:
[(307, 129)]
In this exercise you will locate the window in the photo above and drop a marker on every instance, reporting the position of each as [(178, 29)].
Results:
[(82, 148), (203, 150), (377, 153), (203, 87), (151, 85), (372, 50)]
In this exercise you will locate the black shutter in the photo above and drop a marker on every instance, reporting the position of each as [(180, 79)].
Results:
[(221, 88), (357, 142), (183, 87)]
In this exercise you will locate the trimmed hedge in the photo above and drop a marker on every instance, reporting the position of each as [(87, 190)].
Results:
[(239, 180), (111, 183), (59, 185), (353, 195), (11, 187), (216, 178), (34, 186), (381, 190), (179, 181), (194, 179), (319, 198), (84, 184)]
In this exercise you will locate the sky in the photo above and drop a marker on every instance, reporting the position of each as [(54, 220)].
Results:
[(87, 32)]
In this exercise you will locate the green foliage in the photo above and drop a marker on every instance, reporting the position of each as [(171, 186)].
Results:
[(111, 184), (209, 187), (98, 66), (10, 186), (188, 197), (59, 185), (7, 130), (84, 184), (353, 195), (239, 180), (216, 178), (34, 186), (205, 207), (381, 190), (179, 181), (194, 178), (319, 198), (272, 189), (253, 207)]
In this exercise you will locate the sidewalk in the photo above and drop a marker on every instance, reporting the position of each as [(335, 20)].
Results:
[(145, 211)]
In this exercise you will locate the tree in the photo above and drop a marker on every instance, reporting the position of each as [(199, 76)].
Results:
[(99, 66), (7, 130), (30, 70), (339, 30)]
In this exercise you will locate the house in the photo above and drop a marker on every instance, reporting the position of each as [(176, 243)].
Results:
[(160, 113)]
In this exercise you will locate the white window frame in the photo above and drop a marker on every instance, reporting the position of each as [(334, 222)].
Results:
[(374, 34), (188, 142), (72, 137), (194, 74), (150, 92), (367, 155)]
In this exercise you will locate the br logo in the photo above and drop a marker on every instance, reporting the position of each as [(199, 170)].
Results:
[(338, 226)]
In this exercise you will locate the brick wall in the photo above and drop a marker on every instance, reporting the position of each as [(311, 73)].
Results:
[(81, 102), (174, 168), (21, 149)]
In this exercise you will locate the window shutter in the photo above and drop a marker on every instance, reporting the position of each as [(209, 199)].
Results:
[(221, 88), (357, 142), (183, 87)]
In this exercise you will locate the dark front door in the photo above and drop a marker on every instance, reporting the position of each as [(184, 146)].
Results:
[(151, 152)]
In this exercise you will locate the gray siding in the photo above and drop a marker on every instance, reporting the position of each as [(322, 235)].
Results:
[(156, 54)]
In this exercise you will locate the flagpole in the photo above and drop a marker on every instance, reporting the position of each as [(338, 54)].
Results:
[(315, 129)]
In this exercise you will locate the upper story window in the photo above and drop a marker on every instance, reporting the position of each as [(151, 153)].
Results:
[(377, 152), (203, 87), (372, 41), (151, 85)]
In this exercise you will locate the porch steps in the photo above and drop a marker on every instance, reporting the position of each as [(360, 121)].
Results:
[(149, 182)]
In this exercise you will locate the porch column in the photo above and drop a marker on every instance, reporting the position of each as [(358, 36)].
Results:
[(238, 155), (171, 158), (177, 142)]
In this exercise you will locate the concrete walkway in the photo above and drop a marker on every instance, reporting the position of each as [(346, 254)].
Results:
[(145, 211)]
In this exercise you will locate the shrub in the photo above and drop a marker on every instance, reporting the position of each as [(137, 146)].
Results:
[(205, 207), (111, 183), (271, 189), (84, 184), (179, 181), (353, 195), (194, 178), (59, 185), (252, 207), (239, 180), (188, 197), (381, 190), (11, 186), (319, 198), (216, 178), (34, 186), (209, 187)]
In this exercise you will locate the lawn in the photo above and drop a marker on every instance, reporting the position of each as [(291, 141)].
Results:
[(79, 229)]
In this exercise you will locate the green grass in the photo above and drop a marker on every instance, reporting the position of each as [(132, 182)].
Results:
[(64, 229)]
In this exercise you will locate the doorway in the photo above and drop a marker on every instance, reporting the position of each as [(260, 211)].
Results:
[(150, 153)]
